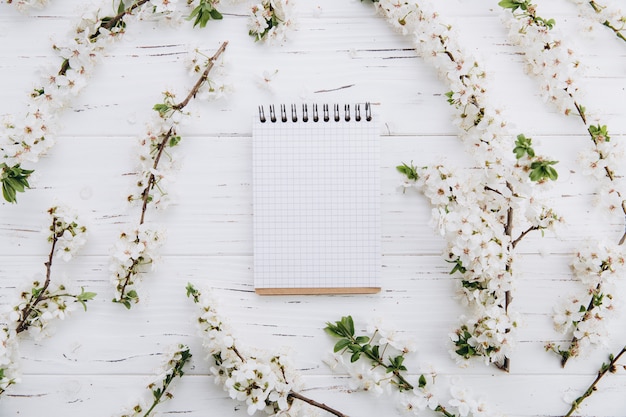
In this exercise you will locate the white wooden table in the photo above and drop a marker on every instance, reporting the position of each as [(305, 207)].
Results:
[(99, 361)]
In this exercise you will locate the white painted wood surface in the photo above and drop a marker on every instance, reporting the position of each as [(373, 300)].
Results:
[(99, 361)]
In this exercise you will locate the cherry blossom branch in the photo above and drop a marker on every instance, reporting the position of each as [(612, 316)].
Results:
[(166, 138), (549, 57), (25, 313), (377, 364), (40, 303), (265, 381), (484, 283)]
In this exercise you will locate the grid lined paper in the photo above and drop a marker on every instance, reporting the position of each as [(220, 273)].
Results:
[(316, 206)]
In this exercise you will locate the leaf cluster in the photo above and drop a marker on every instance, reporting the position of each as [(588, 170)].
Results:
[(14, 180), (523, 146), (529, 10), (539, 169), (364, 347), (127, 299), (409, 171), (464, 348), (599, 133), (84, 296), (543, 170), (204, 12), (458, 266)]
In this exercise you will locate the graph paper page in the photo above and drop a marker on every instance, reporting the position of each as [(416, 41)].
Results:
[(316, 206)]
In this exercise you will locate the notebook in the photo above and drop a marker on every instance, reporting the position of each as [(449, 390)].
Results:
[(316, 200)]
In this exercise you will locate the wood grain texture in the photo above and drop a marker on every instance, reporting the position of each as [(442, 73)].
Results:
[(100, 360)]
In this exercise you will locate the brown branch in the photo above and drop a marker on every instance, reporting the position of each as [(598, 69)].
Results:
[(161, 147), (28, 308), (610, 367), (113, 21), (314, 403), (524, 233), (152, 179), (202, 78)]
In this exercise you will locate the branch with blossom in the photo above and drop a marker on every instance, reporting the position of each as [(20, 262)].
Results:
[(556, 66), (42, 301), (377, 365), (24, 140), (606, 13), (263, 380), (160, 390), (137, 248), (585, 315), (483, 216), (607, 368), (270, 20)]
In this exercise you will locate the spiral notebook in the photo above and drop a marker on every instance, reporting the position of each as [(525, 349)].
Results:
[(316, 196)]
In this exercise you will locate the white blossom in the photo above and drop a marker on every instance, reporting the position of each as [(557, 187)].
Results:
[(27, 5), (271, 20), (261, 380), (471, 209)]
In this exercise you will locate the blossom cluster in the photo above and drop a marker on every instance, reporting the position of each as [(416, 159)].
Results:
[(584, 315), (556, 66), (558, 70), (606, 13), (137, 249), (25, 5), (377, 364), (160, 389), (42, 301), (135, 252), (270, 20), (263, 380), (25, 139), (473, 210)]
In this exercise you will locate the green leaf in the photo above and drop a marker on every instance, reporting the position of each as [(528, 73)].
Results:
[(83, 297), (340, 345), (458, 266), (174, 140), (332, 330), (510, 4), (362, 339), (355, 357), (410, 171), (449, 94), (14, 179), (162, 108), (540, 170), (215, 14), (192, 291), (203, 13), (523, 146), (599, 133), (422, 381), (121, 8), (349, 324)]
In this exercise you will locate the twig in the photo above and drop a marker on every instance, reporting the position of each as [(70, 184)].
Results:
[(314, 403), (202, 78), (610, 367), (163, 144), (28, 308), (152, 179)]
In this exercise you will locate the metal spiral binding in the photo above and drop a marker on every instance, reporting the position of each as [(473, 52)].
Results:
[(326, 113)]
